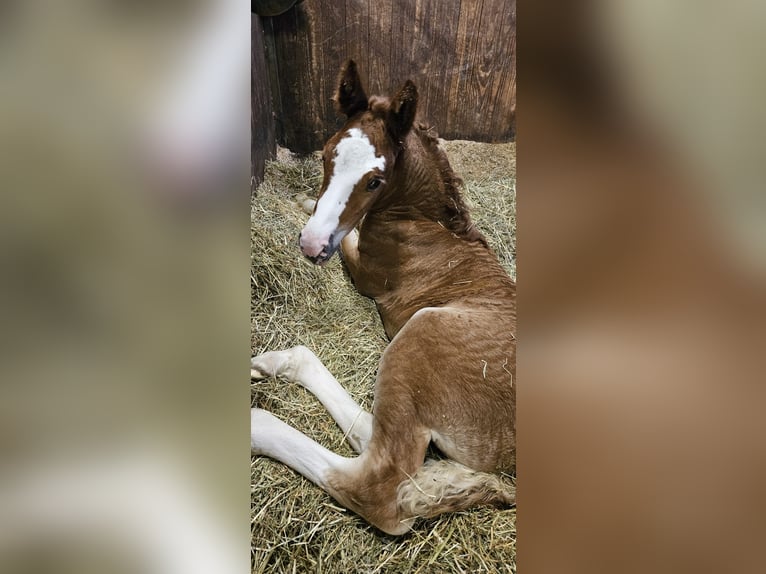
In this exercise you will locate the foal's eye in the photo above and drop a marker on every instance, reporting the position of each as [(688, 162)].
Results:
[(373, 184)]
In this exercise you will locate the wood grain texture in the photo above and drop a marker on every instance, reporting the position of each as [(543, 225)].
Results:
[(263, 136), (460, 54)]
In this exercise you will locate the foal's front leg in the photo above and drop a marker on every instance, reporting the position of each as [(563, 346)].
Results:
[(349, 247), (301, 366)]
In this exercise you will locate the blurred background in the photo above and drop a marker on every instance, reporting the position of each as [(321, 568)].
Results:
[(641, 275), (125, 165)]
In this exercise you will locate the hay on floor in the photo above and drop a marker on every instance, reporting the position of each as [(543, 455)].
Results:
[(296, 527)]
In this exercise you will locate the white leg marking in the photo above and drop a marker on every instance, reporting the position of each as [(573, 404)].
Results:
[(301, 366), (271, 437), (349, 246), (274, 364), (307, 204)]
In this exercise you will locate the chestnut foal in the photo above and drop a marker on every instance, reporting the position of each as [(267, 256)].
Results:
[(447, 305)]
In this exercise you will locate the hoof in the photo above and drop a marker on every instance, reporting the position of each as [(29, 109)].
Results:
[(307, 204)]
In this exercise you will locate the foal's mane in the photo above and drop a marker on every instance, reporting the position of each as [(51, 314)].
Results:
[(458, 219)]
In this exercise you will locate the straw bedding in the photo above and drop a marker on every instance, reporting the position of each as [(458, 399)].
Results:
[(296, 527)]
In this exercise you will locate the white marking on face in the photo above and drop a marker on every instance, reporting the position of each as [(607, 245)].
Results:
[(354, 158)]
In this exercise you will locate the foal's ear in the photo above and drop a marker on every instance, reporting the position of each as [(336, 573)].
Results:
[(350, 97), (402, 111)]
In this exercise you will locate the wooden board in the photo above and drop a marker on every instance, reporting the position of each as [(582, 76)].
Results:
[(263, 133), (460, 54)]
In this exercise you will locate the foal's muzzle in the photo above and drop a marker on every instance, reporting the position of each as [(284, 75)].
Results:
[(318, 252)]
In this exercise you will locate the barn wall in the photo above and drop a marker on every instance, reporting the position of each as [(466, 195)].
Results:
[(263, 134), (460, 54)]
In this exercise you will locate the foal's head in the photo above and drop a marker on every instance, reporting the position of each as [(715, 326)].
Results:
[(358, 161)]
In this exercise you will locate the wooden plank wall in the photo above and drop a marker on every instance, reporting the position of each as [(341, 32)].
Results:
[(263, 132), (460, 54)]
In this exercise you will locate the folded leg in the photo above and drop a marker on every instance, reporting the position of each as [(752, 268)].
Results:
[(301, 366), (366, 484), (274, 438)]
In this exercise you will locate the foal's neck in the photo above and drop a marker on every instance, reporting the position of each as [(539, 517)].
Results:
[(418, 247), (424, 187)]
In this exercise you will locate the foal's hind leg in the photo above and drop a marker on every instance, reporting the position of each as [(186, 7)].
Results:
[(301, 366), (271, 437), (366, 484)]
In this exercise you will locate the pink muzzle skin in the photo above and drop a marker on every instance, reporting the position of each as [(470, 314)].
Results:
[(317, 249)]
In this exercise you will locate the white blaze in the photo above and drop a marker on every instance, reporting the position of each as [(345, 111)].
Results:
[(354, 157)]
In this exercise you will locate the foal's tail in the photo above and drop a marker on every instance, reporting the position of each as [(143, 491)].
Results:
[(447, 486)]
